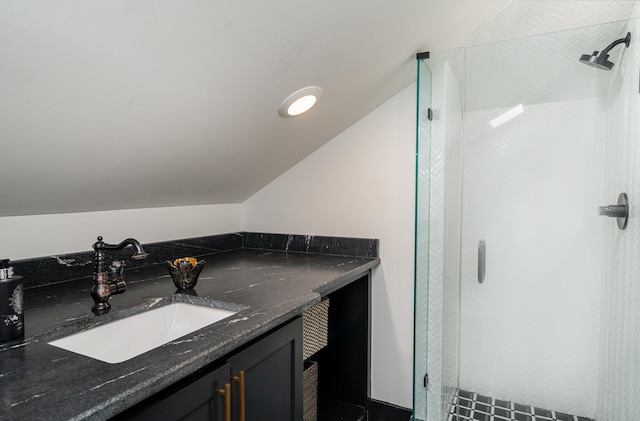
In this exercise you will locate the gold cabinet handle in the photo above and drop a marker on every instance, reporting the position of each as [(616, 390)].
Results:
[(240, 380), (226, 393)]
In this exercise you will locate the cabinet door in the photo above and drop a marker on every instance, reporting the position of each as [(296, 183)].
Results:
[(197, 400), (272, 370)]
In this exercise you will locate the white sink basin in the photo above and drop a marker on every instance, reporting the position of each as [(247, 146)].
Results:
[(126, 338)]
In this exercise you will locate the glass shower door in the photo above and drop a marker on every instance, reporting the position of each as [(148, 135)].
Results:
[(545, 141), (421, 294), (437, 238), (534, 124)]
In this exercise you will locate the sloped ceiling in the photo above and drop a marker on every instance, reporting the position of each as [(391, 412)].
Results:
[(120, 104)]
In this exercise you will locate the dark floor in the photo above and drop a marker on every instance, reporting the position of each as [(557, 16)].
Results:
[(472, 406)]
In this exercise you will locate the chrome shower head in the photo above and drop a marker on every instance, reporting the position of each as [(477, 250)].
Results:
[(601, 60)]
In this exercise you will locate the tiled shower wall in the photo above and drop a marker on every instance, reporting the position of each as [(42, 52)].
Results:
[(525, 18), (620, 333), (451, 234), (532, 186), (532, 332), (606, 309)]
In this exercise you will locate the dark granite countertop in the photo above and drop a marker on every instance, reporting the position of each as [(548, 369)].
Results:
[(39, 381)]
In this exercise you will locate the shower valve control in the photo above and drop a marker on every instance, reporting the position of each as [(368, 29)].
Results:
[(620, 211)]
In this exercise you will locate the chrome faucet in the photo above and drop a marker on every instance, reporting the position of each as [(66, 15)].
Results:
[(103, 287)]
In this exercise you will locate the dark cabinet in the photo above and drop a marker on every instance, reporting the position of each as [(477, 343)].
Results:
[(190, 400), (262, 381), (268, 375)]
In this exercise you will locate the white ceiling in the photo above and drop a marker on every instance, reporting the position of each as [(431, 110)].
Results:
[(119, 104)]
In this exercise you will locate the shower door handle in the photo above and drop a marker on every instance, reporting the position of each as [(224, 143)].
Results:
[(482, 260)]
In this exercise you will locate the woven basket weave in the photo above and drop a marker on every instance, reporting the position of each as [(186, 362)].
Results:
[(310, 391), (315, 328)]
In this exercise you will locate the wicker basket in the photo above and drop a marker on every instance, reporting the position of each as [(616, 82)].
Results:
[(315, 328), (310, 391)]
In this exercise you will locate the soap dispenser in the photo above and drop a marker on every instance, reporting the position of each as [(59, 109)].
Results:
[(11, 314)]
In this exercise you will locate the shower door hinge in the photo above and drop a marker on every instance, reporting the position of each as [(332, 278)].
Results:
[(425, 381), (430, 114)]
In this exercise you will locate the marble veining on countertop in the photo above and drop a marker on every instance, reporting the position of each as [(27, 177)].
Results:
[(40, 381)]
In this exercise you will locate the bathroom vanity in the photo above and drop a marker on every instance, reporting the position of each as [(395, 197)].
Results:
[(257, 350), (262, 381)]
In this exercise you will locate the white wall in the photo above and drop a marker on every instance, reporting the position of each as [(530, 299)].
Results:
[(361, 184), (31, 236), (619, 380)]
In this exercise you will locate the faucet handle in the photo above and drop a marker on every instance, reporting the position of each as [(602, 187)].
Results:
[(117, 266), (117, 285)]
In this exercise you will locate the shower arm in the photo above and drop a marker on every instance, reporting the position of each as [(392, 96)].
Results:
[(626, 40)]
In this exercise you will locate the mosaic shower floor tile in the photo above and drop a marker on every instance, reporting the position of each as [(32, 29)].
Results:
[(470, 406)]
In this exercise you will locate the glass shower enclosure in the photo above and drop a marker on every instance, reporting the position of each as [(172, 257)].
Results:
[(525, 297)]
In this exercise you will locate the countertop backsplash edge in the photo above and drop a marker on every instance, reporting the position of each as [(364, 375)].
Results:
[(48, 270)]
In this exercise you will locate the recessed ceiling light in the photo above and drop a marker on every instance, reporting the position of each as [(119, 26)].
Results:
[(300, 101)]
